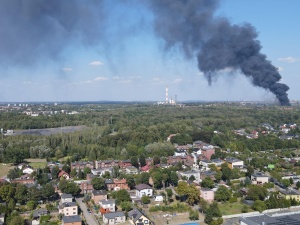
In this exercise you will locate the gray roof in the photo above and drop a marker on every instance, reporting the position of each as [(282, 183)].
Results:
[(99, 192), (140, 187), (71, 219), (135, 214), (293, 219), (258, 174), (38, 212), (67, 204), (66, 196), (113, 215), (109, 201)]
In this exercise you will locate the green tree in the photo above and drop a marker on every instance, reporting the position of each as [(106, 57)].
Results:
[(212, 213), (142, 160), (7, 192), (222, 194), (126, 206), (134, 161), (207, 183), (256, 192), (31, 205), (190, 192), (174, 178), (193, 215), (98, 183), (259, 206), (16, 220), (21, 193), (145, 199), (48, 190), (121, 196)]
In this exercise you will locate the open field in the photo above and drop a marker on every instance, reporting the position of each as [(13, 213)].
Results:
[(4, 168), (49, 131), (228, 208), (36, 163)]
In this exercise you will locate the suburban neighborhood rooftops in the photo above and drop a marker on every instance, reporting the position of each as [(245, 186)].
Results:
[(71, 219), (113, 215), (99, 192), (140, 187)]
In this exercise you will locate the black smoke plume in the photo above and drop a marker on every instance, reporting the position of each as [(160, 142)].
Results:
[(35, 29), (218, 44)]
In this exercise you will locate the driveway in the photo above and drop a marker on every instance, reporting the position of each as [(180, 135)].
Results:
[(88, 217)]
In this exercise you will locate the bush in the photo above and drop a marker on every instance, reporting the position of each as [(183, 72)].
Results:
[(233, 199), (194, 215), (179, 207)]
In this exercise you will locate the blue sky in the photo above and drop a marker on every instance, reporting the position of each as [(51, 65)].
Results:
[(133, 66)]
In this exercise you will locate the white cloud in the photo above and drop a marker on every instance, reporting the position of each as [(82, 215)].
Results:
[(178, 80), (156, 79), (100, 78), (280, 69), (67, 69), (116, 78), (96, 63), (289, 59)]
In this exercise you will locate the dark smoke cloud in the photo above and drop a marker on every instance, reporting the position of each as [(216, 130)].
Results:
[(33, 29), (192, 26)]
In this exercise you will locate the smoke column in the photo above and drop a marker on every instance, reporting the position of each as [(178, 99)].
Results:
[(192, 26), (35, 29)]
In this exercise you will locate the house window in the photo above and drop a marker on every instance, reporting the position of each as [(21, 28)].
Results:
[(146, 222)]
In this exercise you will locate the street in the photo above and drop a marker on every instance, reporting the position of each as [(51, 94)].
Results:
[(89, 217)]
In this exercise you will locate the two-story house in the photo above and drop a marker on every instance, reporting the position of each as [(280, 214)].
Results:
[(107, 206), (136, 217), (143, 190), (259, 178), (68, 209), (116, 184), (114, 218), (66, 198), (98, 195), (71, 220)]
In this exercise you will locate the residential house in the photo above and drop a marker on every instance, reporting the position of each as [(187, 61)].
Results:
[(38, 213), (131, 170), (208, 173), (71, 220), (116, 184), (259, 178), (24, 179), (191, 173), (68, 208), (290, 194), (114, 218), (98, 195), (149, 161), (101, 171), (143, 189), (234, 163), (28, 170), (63, 174), (207, 194), (106, 163), (86, 187), (124, 163), (81, 165), (107, 206), (208, 151), (136, 217), (66, 198)]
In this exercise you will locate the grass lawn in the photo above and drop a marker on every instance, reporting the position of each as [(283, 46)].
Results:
[(4, 168), (45, 218), (231, 208), (37, 163)]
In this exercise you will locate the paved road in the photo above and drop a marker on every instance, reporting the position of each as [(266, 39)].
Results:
[(88, 217)]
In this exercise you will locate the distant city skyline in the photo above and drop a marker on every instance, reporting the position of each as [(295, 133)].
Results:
[(128, 62)]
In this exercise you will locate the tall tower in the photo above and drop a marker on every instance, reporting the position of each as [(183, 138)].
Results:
[(167, 95)]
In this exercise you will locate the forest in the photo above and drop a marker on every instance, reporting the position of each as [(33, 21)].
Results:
[(123, 131)]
